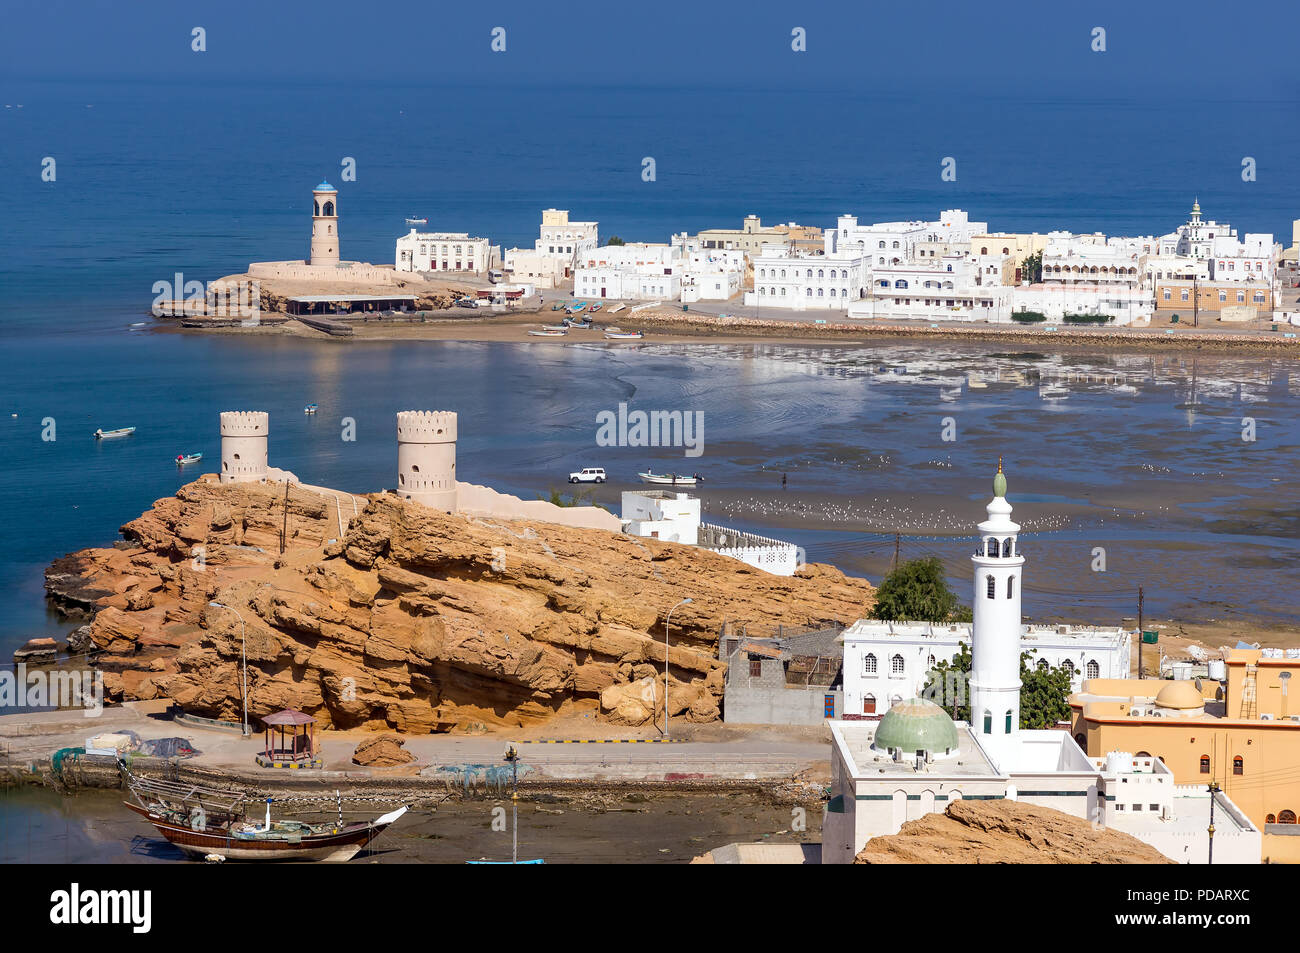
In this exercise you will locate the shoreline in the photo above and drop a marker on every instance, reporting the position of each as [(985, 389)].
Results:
[(664, 327)]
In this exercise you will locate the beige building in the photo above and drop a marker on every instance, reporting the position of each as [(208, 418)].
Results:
[(751, 236), (1210, 300), (1242, 734)]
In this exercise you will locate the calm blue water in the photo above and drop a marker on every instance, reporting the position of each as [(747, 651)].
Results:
[(203, 179)]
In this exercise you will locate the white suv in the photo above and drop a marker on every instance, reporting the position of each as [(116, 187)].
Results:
[(588, 475)]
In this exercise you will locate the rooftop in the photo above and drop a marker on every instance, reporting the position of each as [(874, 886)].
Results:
[(856, 739)]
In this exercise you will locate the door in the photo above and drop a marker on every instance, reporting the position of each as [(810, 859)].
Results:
[(828, 706)]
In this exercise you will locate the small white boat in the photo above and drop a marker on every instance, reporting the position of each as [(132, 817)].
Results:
[(417, 221), (617, 308), (184, 458), (584, 325), (309, 409), (667, 479), (119, 432), (549, 333), (556, 327), (617, 334)]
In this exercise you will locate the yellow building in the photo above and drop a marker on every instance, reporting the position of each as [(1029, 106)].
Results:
[(1243, 734)]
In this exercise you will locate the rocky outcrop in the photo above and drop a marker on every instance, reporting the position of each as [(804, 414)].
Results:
[(382, 751), (402, 617), (1005, 832)]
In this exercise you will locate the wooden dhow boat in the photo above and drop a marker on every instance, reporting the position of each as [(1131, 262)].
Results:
[(212, 823)]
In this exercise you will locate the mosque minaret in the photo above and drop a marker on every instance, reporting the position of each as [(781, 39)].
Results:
[(996, 633), (324, 225)]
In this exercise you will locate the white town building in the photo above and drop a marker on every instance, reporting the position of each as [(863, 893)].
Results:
[(675, 516), (916, 760), (443, 251), (560, 243), (783, 279)]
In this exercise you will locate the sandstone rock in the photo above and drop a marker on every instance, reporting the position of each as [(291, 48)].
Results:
[(411, 621), (382, 751), (1005, 832)]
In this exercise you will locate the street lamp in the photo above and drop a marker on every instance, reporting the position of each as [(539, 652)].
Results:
[(243, 656), (667, 625)]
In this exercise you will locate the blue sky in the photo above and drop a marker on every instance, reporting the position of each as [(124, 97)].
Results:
[(1208, 50)]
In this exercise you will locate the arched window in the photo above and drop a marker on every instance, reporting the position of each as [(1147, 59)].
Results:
[(1011, 586), (1082, 741), (1205, 764), (992, 587), (329, 208), (869, 664), (1008, 721), (868, 704), (991, 548), (315, 208), (1270, 819), (1094, 670), (1238, 765), (1068, 665), (930, 662), (896, 665), (1042, 665), (984, 250), (1006, 548), (1286, 817), (988, 722)]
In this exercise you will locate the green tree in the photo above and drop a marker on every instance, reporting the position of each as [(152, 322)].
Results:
[(1031, 269), (1044, 691), (575, 498), (917, 591), (615, 240)]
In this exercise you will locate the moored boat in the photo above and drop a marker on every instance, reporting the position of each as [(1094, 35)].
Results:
[(417, 221), (309, 409), (583, 325), (668, 479), (211, 823), (119, 432), (549, 333), (184, 458), (618, 334)]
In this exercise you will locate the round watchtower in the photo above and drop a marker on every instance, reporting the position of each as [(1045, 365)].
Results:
[(324, 225), (243, 445), (426, 458)]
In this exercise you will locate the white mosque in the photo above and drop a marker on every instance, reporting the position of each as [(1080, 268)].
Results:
[(916, 760)]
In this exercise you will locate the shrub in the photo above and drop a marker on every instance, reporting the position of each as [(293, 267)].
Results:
[(1028, 317)]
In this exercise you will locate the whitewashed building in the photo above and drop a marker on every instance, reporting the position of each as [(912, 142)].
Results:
[(916, 760), (675, 516), (560, 244), (783, 279), (443, 251)]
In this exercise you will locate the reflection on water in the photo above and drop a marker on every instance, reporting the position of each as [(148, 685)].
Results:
[(879, 439)]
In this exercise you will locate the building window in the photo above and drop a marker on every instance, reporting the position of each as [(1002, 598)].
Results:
[(1238, 765), (1094, 670), (869, 704), (1011, 586), (1286, 817), (1082, 741), (1006, 548), (1069, 667), (991, 587), (1008, 721), (1205, 764), (755, 668), (990, 547), (896, 665), (988, 722), (1042, 665), (869, 665)]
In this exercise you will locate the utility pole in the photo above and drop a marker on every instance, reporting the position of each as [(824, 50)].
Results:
[(284, 528), (1214, 789), (512, 756), (1141, 637)]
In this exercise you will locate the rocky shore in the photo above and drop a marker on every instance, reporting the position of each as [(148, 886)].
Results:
[(404, 618)]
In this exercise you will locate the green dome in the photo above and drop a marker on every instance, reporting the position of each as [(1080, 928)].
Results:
[(916, 725), (1000, 481)]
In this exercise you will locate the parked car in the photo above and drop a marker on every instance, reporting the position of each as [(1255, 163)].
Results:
[(588, 475), (467, 303)]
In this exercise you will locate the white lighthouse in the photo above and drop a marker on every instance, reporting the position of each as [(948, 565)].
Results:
[(426, 458), (243, 445), (995, 661), (324, 225)]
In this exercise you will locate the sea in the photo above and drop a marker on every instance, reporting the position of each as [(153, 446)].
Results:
[(109, 187)]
